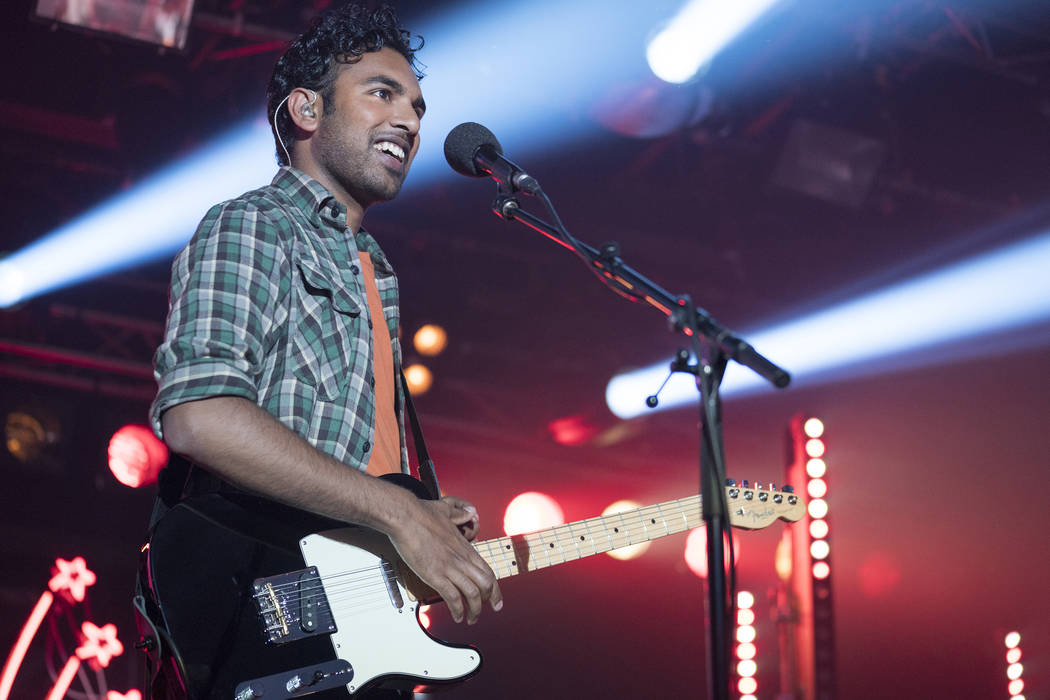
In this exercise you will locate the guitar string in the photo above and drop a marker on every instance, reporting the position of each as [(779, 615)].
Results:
[(340, 588), (562, 535)]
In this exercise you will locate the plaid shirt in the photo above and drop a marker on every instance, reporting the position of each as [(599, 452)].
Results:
[(268, 303)]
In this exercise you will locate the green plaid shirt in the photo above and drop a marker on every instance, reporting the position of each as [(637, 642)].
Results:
[(268, 303)]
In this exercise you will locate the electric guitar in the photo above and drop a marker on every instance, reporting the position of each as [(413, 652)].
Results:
[(260, 600)]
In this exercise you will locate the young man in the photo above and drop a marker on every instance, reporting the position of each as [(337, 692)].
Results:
[(278, 370)]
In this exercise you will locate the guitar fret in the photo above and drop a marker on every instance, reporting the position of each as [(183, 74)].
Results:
[(621, 530)]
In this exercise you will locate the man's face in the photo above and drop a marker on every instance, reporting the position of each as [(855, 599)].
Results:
[(367, 145)]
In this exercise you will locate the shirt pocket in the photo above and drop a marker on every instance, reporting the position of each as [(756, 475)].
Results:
[(327, 348)]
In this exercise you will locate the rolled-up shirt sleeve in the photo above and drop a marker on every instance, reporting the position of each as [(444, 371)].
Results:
[(225, 285)]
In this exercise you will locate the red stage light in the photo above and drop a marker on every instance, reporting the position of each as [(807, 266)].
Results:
[(571, 430), (747, 686), (136, 456), (424, 618), (745, 616), (746, 650), (746, 668), (696, 551), (532, 511), (818, 508), (816, 468), (821, 570), (817, 488), (818, 529), (1013, 656), (1013, 639), (745, 634), (1016, 687), (130, 695), (815, 447)]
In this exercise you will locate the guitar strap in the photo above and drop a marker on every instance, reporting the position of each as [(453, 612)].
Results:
[(427, 474)]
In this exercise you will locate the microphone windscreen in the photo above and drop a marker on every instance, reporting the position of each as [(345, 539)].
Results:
[(463, 142)]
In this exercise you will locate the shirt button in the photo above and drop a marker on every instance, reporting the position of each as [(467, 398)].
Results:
[(369, 324), (355, 269), (366, 447)]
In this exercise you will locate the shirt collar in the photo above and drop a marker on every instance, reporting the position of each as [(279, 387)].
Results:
[(311, 196), (322, 207)]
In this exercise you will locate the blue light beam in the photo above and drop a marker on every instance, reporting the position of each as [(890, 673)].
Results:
[(526, 70), (700, 30), (998, 291)]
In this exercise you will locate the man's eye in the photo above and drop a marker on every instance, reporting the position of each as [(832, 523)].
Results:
[(382, 93)]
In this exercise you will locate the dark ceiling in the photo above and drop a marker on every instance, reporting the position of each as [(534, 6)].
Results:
[(935, 466)]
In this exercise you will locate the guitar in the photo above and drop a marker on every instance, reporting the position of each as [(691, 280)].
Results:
[(260, 600)]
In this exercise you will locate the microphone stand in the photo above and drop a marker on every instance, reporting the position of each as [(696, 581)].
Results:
[(714, 345)]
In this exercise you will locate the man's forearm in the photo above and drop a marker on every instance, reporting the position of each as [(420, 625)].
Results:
[(246, 446)]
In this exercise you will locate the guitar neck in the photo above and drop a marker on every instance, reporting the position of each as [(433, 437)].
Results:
[(537, 550)]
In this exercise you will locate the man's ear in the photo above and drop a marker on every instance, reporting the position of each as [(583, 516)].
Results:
[(305, 107)]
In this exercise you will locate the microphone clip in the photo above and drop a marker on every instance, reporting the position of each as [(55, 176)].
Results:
[(680, 363)]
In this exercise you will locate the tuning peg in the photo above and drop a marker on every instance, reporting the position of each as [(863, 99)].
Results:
[(730, 482), (745, 484), (787, 488), (772, 486), (758, 485)]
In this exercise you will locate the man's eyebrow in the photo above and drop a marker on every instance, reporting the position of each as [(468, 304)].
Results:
[(397, 87)]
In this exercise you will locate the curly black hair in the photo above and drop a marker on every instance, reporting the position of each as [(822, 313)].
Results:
[(337, 36)]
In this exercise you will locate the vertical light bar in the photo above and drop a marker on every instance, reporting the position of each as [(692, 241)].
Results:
[(746, 650), (1014, 669)]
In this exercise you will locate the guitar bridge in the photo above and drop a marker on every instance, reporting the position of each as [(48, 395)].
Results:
[(293, 606)]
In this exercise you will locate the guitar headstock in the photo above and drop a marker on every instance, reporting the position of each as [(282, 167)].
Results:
[(752, 507)]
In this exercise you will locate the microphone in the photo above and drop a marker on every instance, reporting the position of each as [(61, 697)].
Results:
[(474, 151)]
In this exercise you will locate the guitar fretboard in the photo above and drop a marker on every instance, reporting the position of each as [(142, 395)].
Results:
[(537, 550)]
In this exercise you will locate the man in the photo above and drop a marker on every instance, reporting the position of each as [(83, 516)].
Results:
[(277, 372)]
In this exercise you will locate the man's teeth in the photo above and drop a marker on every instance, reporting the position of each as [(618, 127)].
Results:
[(391, 148)]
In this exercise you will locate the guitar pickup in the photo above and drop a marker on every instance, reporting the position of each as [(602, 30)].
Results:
[(293, 606)]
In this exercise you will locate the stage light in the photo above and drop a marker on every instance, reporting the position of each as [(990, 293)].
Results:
[(696, 550), (815, 447), (424, 616), (746, 650), (747, 685), (1012, 640), (816, 468), (745, 616), (153, 219), (1015, 687), (813, 428), (530, 512), (1013, 656), (817, 488), (29, 434), (136, 456), (820, 549), (697, 33), (818, 529), (430, 340), (999, 290), (1014, 671), (745, 634), (630, 551), (818, 508), (419, 379), (745, 599), (571, 430), (821, 570)]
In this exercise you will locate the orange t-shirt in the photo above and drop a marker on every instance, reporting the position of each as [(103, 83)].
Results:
[(386, 449)]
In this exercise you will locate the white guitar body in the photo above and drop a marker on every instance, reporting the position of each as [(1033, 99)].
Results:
[(378, 630)]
